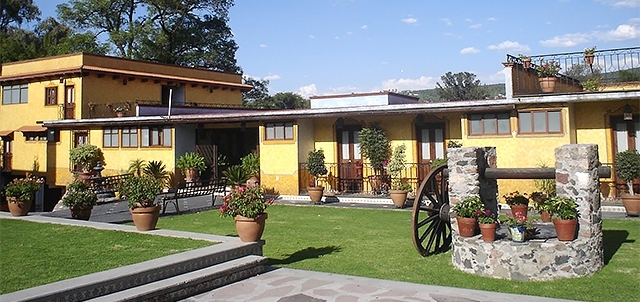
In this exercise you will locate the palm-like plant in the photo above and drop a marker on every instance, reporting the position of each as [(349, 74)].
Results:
[(136, 166), (157, 170)]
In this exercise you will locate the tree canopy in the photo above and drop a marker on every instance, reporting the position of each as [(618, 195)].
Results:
[(461, 86)]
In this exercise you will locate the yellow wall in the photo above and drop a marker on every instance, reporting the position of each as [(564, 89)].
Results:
[(278, 163)]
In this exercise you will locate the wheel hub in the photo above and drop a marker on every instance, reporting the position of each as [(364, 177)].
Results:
[(444, 212)]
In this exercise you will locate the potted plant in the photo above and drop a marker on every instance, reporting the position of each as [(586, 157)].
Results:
[(236, 175), (488, 223), (589, 54), (466, 214), (565, 217), (120, 110), (547, 75), (251, 164), (542, 204), (519, 202), (20, 193), (140, 193), (85, 157), (80, 199), (518, 226), (247, 205), (375, 146), (627, 166), (191, 163), (397, 164), (526, 61), (316, 167), (157, 170)]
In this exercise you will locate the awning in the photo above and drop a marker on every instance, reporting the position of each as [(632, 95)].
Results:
[(36, 128), (6, 132)]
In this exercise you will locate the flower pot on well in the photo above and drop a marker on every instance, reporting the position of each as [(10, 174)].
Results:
[(565, 229), (488, 231), (315, 193), (398, 197), (18, 207), (145, 219), (250, 229), (545, 216), (519, 209), (467, 226), (631, 204), (517, 233)]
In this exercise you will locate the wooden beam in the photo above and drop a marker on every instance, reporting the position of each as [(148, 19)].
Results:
[(533, 173)]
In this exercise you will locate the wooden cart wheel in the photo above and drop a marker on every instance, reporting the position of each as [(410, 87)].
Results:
[(430, 220)]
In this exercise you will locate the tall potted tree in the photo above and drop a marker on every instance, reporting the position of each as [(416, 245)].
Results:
[(375, 146), (627, 166), (397, 164), (316, 167)]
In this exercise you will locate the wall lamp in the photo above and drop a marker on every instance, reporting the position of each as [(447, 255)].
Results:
[(628, 113), (61, 80)]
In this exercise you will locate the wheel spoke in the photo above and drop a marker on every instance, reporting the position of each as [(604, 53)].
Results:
[(427, 220), (432, 234)]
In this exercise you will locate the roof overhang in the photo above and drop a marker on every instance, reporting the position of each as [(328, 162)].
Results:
[(34, 128), (6, 133)]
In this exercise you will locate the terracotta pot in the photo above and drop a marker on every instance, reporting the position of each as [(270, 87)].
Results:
[(519, 209), (398, 197), (119, 114), (315, 193), (488, 231), (517, 233), (565, 229), (18, 207), (548, 84), (467, 226), (85, 177), (145, 219), (526, 63), (250, 229), (589, 59), (191, 174), (545, 216), (631, 204), (81, 213)]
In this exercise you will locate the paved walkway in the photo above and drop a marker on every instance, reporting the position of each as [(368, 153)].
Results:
[(290, 285)]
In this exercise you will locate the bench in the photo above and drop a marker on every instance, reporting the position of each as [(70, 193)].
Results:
[(192, 189), (108, 184)]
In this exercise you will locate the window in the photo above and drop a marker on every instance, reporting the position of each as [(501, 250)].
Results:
[(489, 124), (35, 136), (16, 94), (130, 137), (156, 136), (110, 137), (51, 95), (540, 122), (80, 138), (279, 131)]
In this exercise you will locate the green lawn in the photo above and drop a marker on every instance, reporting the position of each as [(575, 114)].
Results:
[(33, 253), (378, 244)]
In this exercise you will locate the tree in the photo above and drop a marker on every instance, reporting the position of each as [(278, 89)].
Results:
[(16, 12), (288, 100), (190, 33), (461, 86), (258, 94)]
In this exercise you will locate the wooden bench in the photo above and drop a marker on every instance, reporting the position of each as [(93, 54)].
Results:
[(192, 189)]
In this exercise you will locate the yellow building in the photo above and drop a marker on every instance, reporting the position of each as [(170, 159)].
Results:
[(525, 126)]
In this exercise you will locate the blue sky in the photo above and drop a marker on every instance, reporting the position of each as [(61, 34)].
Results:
[(315, 47)]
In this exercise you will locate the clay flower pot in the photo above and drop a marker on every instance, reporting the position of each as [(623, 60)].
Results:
[(565, 229), (145, 219), (315, 193), (398, 197), (488, 231), (250, 229), (519, 209), (18, 207), (467, 226)]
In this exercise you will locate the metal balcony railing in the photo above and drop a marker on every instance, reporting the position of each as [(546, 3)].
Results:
[(611, 69)]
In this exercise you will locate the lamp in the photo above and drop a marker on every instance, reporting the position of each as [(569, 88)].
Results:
[(124, 81), (61, 80), (339, 123), (628, 113)]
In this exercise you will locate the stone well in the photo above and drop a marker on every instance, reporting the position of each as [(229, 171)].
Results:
[(543, 258)]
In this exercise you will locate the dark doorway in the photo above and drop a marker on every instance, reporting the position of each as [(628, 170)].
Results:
[(228, 146)]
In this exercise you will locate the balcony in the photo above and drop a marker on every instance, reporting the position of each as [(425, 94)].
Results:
[(607, 70)]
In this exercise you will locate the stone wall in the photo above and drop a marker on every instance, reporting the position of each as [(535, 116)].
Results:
[(533, 260)]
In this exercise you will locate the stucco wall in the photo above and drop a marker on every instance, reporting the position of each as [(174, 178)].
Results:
[(278, 164)]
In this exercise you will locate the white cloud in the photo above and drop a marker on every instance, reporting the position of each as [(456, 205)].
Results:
[(469, 50), (342, 89), (410, 20), (336, 37), (384, 63), (476, 26), (510, 46), (272, 77), (447, 21), (468, 20), (491, 19), (621, 33), (312, 36), (263, 46), (497, 77), (621, 3), (407, 84), (364, 26), (349, 33), (307, 91), (567, 40)]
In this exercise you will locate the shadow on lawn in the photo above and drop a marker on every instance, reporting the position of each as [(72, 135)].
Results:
[(612, 240), (308, 253)]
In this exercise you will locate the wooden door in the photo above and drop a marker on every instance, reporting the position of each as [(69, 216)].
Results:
[(7, 154), (430, 146), (69, 102), (350, 160)]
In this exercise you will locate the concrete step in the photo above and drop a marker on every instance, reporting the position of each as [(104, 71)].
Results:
[(191, 283), (133, 276)]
